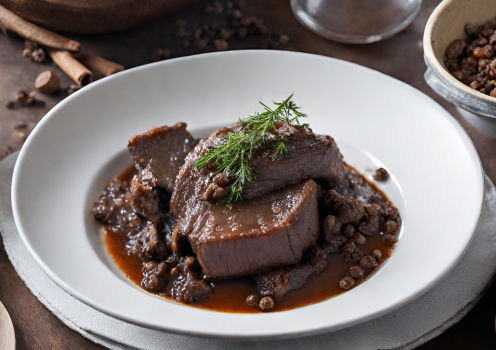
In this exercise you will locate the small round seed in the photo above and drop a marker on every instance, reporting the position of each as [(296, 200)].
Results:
[(267, 304), (368, 262), (346, 283), (253, 300), (389, 239), (359, 238), (356, 272), (377, 254)]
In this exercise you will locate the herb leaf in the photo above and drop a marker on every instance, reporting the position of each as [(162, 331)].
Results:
[(233, 157)]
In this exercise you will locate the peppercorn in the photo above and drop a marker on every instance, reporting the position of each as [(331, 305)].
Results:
[(267, 303), (253, 300), (38, 55)]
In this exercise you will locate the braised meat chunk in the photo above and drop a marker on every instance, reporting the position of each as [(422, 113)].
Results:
[(148, 243), (347, 210), (280, 281), (251, 236), (199, 190), (145, 199), (187, 287), (164, 149), (155, 276), (114, 207), (308, 156)]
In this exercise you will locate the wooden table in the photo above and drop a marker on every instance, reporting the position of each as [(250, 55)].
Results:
[(400, 57)]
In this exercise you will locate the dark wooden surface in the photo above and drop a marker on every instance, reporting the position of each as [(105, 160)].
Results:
[(94, 16), (400, 57)]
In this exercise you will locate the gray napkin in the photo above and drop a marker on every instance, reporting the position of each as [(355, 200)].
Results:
[(406, 328)]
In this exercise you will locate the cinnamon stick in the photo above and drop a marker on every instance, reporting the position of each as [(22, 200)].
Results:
[(71, 66), (99, 65), (9, 21)]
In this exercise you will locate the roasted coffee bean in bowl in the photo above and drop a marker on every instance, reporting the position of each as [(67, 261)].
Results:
[(473, 60), (460, 54)]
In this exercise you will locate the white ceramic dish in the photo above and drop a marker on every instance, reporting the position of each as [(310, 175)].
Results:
[(437, 178)]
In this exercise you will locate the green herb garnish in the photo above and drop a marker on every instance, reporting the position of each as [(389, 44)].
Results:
[(234, 156)]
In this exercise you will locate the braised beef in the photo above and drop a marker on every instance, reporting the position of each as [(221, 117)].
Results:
[(145, 199), (114, 208), (208, 226), (308, 157), (248, 237), (148, 243), (187, 287), (278, 282), (346, 210), (356, 187), (164, 149), (331, 236), (168, 222), (155, 276), (189, 238)]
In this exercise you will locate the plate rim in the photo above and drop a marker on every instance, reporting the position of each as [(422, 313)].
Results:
[(273, 335)]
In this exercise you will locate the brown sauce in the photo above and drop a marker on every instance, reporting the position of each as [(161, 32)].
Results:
[(230, 295)]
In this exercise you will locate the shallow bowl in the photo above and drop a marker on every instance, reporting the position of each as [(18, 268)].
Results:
[(436, 178)]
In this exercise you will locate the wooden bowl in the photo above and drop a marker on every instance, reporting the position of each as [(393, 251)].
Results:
[(93, 16)]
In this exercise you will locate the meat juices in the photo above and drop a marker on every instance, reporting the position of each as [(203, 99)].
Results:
[(292, 241)]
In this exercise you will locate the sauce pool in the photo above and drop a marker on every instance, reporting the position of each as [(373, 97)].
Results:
[(229, 295)]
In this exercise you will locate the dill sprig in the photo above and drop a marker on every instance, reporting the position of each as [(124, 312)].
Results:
[(233, 157)]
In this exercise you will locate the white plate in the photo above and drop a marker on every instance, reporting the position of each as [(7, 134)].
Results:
[(80, 144)]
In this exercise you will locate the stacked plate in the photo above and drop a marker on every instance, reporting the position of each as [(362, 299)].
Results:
[(437, 179)]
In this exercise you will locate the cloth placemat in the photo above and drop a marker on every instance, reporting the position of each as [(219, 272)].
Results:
[(406, 328)]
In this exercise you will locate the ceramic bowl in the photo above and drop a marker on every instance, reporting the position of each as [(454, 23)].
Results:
[(445, 25)]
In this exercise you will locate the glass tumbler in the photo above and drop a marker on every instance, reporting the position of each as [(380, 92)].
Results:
[(356, 21)]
